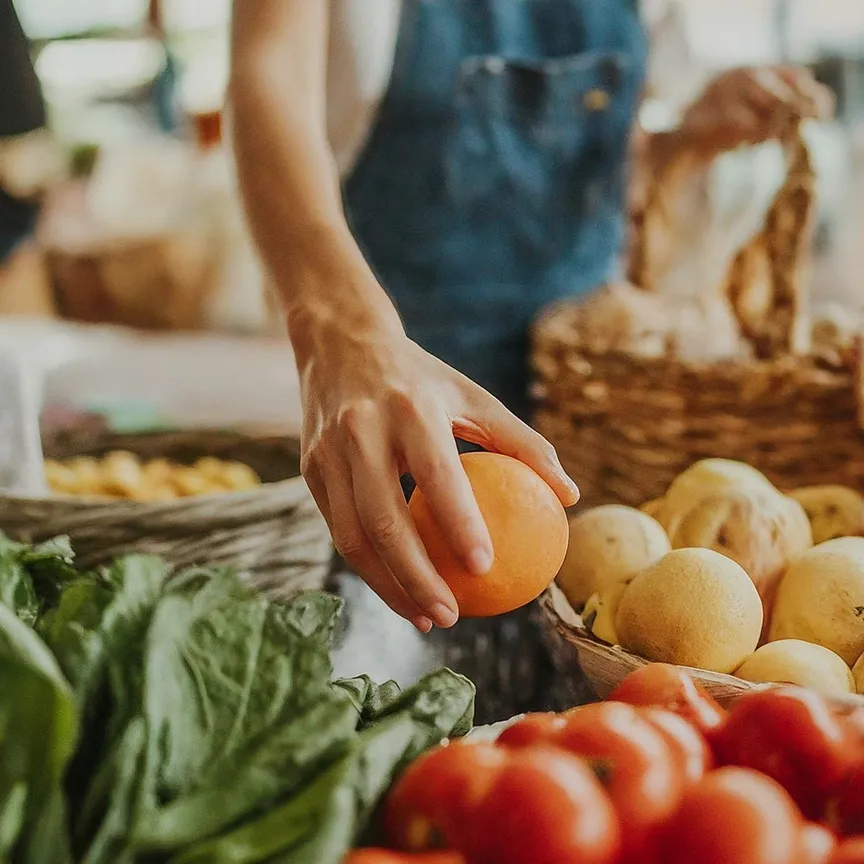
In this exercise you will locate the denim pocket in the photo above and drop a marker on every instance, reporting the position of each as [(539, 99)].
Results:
[(541, 145)]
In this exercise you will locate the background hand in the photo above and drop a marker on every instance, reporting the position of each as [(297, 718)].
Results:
[(749, 106)]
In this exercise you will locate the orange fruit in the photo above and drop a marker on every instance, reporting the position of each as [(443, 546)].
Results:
[(529, 533)]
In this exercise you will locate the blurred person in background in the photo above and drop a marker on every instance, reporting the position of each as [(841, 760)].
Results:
[(24, 284), (422, 177)]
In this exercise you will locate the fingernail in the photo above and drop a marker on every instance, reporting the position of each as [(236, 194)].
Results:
[(480, 560), (572, 488), (422, 623), (443, 615)]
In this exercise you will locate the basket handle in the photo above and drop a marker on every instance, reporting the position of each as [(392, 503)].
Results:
[(766, 284), (858, 375)]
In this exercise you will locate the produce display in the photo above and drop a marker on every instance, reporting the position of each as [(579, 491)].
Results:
[(528, 528), (728, 574), (658, 774), (123, 475), (185, 719)]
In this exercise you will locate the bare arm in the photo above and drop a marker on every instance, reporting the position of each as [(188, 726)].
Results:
[(375, 404), (288, 174)]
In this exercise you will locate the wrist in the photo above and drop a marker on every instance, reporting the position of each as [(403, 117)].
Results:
[(332, 299), (333, 333)]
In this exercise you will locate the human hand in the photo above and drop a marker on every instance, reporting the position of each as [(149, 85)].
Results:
[(750, 106), (377, 406)]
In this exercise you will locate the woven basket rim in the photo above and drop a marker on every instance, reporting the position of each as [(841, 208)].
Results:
[(560, 616), (272, 489), (729, 368), (93, 503)]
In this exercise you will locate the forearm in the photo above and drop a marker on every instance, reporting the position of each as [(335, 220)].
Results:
[(291, 193)]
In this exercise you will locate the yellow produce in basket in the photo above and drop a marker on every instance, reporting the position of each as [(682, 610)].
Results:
[(694, 607), (791, 661), (608, 545), (702, 479), (600, 611), (858, 675), (821, 598), (756, 527), (123, 475), (653, 508), (833, 511)]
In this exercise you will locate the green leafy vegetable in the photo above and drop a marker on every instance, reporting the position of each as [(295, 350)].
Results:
[(319, 825), (210, 728), (38, 733)]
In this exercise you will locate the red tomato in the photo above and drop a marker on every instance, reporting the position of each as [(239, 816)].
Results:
[(532, 729), (855, 718), (791, 735), (630, 756), (688, 746), (854, 722), (433, 802), (846, 811), (545, 807), (734, 816), (818, 843), (849, 852), (660, 685), (385, 856)]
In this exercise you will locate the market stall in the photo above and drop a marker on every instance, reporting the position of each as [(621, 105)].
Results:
[(189, 676)]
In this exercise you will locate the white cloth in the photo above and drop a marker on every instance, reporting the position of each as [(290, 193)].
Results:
[(361, 52), (363, 44)]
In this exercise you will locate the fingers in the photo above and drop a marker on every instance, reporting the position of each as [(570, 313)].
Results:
[(386, 522), (797, 89), (352, 544), (429, 451), (487, 422)]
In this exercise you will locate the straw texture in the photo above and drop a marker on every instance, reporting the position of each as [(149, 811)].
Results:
[(274, 532)]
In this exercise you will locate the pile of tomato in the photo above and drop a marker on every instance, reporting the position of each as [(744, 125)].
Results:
[(657, 774)]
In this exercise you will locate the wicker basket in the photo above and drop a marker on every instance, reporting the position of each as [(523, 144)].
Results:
[(626, 425), (576, 652), (275, 532), (155, 284)]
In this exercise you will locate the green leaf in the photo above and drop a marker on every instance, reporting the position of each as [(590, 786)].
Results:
[(16, 589), (38, 732), (318, 825), (322, 822), (99, 626), (369, 698), (123, 777), (51, 567), (71, 630), (30, 576), (101, 630), (272, 769), (224, 667)]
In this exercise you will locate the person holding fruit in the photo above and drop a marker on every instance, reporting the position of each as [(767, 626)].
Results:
[(421, 178)]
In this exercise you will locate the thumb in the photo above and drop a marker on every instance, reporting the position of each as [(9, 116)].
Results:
[(485, 421)]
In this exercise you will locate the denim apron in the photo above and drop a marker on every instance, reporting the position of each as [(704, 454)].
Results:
[(493, 184)]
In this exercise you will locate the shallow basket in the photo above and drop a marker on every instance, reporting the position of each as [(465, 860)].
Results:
[(274, 532), (576, 652)]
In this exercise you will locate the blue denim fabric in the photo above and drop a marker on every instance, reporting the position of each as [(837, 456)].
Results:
[(493, 183)]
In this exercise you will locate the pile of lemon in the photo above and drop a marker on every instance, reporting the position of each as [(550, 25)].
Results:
[(728, 574)]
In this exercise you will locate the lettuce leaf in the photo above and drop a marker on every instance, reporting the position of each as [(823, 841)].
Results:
[(38, 735)]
